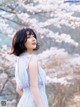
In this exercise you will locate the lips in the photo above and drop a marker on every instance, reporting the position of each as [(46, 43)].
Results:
[(33, 43)]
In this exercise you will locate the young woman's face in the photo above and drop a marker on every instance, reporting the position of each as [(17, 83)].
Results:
[(31, 42)]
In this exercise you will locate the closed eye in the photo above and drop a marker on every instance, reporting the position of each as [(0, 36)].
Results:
[(29, 36)]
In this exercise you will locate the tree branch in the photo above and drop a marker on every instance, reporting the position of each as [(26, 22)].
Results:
[(7, 11), (11, 20)]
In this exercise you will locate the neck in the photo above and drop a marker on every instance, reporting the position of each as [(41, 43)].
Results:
[(29, 51)]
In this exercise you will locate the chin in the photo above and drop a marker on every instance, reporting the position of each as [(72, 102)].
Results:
[(34, 47)]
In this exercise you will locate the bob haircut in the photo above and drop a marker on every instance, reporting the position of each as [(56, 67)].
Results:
[(19, 39)]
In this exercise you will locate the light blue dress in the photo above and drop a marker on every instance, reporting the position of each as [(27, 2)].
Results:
[(23, 82)]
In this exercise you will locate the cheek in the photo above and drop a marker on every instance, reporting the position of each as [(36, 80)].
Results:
[(28, 44)]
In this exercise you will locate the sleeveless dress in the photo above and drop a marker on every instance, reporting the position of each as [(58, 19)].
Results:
[(23, 82)]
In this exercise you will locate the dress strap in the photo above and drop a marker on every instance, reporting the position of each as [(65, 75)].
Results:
[(29, 59), (28, 70)]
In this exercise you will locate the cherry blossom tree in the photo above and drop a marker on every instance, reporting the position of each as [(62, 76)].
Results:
[(24, 13), (46, 17)]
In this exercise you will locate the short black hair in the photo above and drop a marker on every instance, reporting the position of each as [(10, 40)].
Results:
[(19, 39)]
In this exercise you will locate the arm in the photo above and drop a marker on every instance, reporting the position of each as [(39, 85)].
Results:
[(19, 91), (18, 69), (33, 71)]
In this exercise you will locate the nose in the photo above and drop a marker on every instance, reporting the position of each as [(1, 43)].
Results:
[(33, 38)]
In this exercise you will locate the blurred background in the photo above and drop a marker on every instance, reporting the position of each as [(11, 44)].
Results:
[(57, 25)]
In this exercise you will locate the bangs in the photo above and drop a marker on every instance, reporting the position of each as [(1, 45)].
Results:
[(30, 32)]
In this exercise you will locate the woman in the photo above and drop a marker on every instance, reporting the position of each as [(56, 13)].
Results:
[(30, 77)]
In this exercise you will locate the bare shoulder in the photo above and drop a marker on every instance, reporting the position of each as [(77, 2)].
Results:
[(34, 59), (33, 65)]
